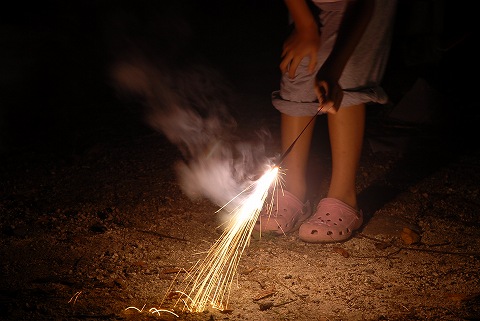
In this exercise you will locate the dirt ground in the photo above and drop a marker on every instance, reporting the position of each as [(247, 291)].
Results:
[(88, 232), (85, 239)]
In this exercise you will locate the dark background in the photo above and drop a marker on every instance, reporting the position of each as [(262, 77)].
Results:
[(56, 96)]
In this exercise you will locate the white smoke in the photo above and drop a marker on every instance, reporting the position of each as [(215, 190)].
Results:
[(189, 105)]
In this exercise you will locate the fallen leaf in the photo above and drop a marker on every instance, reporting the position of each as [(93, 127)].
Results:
[(171, 271), (341, 251), (140, 263), (382, 245), (460, 297), (456, 297), (265, 306), (247, 271), (173, 295), (409, 237), (264, 294)]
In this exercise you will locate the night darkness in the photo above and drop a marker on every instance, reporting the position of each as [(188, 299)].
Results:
[(56, 91)]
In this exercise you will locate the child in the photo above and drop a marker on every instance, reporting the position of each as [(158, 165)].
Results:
[(332, 63)]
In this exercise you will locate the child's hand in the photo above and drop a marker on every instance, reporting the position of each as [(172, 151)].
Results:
[(329, 94), (297, 47)]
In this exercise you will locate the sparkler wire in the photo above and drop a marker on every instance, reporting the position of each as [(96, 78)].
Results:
[(289, 149)]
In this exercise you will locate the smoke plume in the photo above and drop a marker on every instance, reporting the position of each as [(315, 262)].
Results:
[(189, 105)]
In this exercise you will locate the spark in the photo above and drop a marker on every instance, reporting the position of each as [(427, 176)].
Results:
[(152, 310), (135, 308), (74, 298), (208, 283)]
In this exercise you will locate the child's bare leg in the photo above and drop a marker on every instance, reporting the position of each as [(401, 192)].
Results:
[(296, 161), (346, 130)]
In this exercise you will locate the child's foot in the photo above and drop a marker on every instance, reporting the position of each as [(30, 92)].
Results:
[(284, 216), (333, 221)]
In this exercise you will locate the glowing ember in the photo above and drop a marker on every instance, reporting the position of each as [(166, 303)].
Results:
[(209, 282)]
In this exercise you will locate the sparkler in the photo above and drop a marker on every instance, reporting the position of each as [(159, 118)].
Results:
[(210, 280), (208, 283)]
